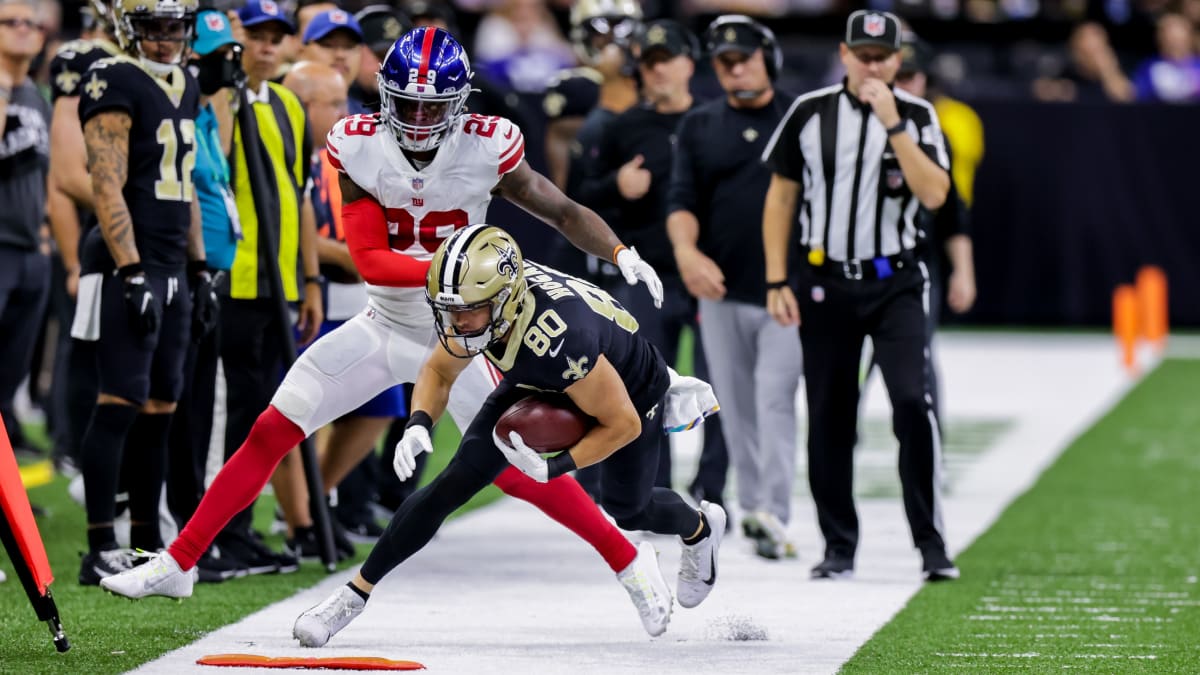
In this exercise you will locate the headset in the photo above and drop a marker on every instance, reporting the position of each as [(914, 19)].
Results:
[(772, 54)]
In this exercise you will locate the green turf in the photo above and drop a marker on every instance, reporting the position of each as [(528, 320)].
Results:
[(112, 635), (1094, 569)]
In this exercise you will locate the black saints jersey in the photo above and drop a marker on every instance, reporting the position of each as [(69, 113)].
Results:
[(71, 63), (566, 326), (162, 143), (572, 93)]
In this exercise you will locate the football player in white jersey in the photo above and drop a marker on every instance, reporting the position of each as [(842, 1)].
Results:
[(410, 176)]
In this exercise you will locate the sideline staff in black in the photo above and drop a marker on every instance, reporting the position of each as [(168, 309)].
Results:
[(865, 159)]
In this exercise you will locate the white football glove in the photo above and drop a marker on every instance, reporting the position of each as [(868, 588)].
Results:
[(522, 456), (635, 269), (689, 400), (415, 441)]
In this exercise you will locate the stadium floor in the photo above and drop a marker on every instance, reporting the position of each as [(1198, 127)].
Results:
[(503, 590)]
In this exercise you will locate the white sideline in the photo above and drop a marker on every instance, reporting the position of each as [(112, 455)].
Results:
[(504, 590)]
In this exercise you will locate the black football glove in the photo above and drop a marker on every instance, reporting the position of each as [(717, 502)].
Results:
[(140, 306), (205, 307)]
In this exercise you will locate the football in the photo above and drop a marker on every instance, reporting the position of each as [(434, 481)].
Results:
[(546, 422)]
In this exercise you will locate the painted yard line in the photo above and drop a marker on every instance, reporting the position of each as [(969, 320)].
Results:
[(504, 590)]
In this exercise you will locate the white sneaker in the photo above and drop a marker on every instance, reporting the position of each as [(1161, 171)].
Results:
[(648, 589), (160, 575), (698, 564), (316, 625)]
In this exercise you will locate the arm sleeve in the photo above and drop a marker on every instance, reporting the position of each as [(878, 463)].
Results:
[(681, 192), (367, 239)]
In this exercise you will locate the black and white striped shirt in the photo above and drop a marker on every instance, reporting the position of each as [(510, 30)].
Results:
[(856, 204)]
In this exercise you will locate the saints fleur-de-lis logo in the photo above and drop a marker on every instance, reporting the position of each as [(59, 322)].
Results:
[(506, 265), (576, 370), (95, 86), (67, 81)]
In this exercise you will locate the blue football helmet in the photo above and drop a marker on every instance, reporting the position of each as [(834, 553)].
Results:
[(424, 82)]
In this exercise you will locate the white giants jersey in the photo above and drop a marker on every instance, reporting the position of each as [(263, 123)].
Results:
[(425, 206)]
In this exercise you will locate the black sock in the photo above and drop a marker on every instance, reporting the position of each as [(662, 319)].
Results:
[(146, 458), (358, 591), (100, 452), (705, 530), (101, 538)]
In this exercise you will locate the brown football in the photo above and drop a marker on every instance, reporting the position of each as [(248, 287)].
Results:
[(546, 422)]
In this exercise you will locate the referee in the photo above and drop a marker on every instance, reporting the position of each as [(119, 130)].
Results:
[(856, 161)]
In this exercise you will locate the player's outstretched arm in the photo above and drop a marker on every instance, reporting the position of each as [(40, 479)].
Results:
[(602, 394), (580, 225), (107, 138)]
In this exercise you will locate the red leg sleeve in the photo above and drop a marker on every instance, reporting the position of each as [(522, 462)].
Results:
[(565, 501), (237, 484)]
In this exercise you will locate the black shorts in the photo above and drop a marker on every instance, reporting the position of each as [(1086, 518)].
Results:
[(626, 476), (140, 367)]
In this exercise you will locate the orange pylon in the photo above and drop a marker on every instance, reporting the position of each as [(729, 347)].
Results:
[(1152, 305), (1125, 323)]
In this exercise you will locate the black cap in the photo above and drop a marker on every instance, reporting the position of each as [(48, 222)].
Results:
[(869, 27), (739, 37), (429, 9), (915, 54), (382, 25), (666, 34)]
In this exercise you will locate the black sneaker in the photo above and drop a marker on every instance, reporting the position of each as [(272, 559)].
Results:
[(95, 565), (213, 570), (937, 566), (834, 567), (249, 549), (363, 531)]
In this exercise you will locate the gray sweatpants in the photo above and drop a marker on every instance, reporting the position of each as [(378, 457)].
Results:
[(755, 367)]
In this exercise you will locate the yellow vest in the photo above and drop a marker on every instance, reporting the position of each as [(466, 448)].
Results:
[(964, 130), (282, 131)]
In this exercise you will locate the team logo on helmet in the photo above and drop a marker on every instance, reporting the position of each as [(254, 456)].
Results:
[(506, 264)]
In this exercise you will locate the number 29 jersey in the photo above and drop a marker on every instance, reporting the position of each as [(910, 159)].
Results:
[(425, 205), (162, 134), (564, 328)]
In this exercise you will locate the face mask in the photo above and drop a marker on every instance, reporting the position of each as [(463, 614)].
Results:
[(217, 70)]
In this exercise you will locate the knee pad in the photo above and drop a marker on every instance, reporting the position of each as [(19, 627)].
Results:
[(299, 398)]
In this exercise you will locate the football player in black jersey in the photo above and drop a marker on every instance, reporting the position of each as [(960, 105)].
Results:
[(550, 332), (138, 111), (70, 205)]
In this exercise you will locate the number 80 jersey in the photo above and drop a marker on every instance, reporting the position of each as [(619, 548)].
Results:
[(426, 205)]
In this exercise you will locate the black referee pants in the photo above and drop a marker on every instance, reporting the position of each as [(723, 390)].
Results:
[(836, 315)]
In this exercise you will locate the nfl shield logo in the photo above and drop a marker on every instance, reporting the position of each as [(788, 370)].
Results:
[(818, 293), (418, 183), (874, 25), (269, 7), (215, 21), (895, 178)]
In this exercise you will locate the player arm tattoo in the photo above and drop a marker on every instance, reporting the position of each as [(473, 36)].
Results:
[(537, 195), (107, 139), (195, 247)]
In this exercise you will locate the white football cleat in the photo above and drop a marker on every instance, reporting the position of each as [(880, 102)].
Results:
[(648, 589), (160, 575), (317, 624), (698, 563)]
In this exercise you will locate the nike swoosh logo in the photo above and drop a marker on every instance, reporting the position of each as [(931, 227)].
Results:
[(509, 134), (713, 565), (557, 347)]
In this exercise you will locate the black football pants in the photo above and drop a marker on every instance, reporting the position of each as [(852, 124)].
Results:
[(836, 315)]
